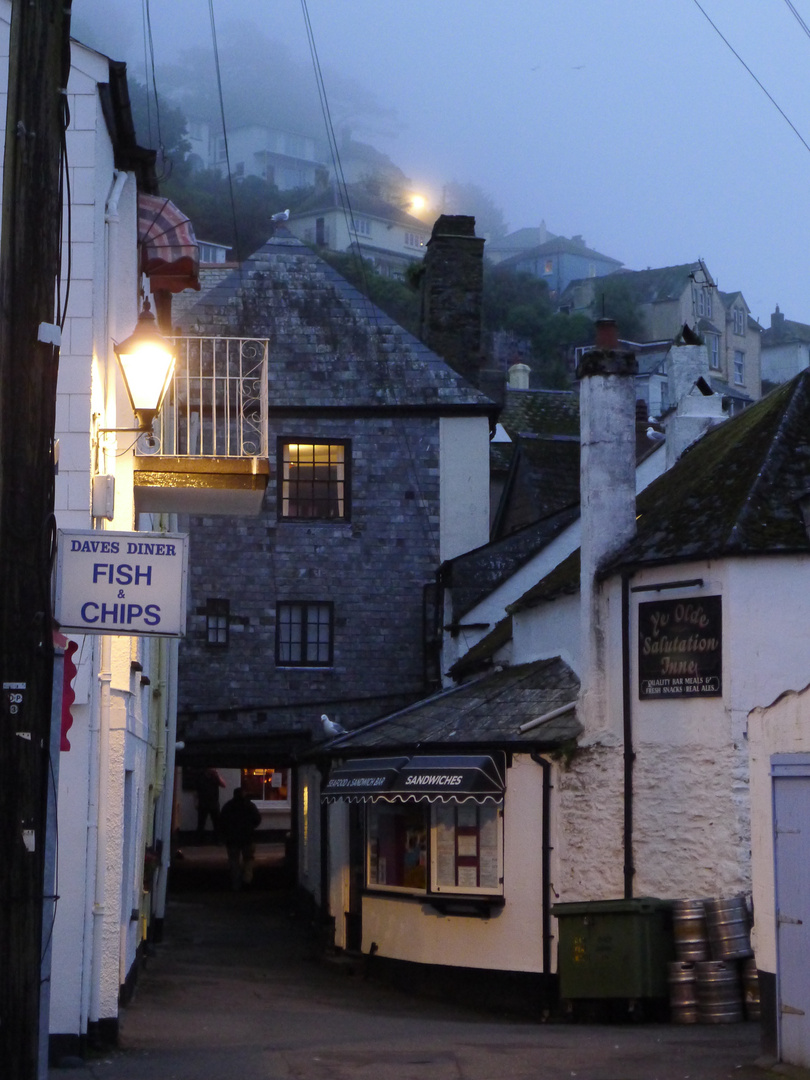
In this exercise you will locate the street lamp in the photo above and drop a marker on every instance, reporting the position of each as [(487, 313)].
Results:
[(147, 364)]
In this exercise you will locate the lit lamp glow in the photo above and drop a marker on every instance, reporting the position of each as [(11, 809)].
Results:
[(147, 364)]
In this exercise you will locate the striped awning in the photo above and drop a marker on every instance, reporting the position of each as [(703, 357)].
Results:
[(425, 778), (169, 253)]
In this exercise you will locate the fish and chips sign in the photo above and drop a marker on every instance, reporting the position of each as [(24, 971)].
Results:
[(680, 648), (122, 583)]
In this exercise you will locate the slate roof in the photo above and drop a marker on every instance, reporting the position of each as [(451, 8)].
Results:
[(653, 286), (486, 712), (482, 654), (476, 573), (790, 331), (330, 347), (735, 491), (558, 245)]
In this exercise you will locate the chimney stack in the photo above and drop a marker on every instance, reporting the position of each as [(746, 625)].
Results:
[(452, 293), (607, 493)]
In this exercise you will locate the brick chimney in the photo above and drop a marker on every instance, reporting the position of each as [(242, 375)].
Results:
[(778, 322), (607, 493), (452, 291)]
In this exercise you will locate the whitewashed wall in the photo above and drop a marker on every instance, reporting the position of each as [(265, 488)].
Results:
[(463, 484), (692, 809)]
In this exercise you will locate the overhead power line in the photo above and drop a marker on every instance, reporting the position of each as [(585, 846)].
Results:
[(798, 18), (769, 96)]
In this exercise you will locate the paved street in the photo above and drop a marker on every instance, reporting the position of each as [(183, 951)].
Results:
[(237, 990)]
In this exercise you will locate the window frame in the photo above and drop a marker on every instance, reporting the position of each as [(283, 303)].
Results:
[(739, 321), (714, 352), (739, 367), (306, 606), (431, 812), (216, 609), (342, 483)]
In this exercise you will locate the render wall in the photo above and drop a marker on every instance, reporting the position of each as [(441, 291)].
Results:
[(405, 928)]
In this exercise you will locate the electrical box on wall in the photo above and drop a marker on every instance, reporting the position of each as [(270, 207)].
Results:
[(104, 497)]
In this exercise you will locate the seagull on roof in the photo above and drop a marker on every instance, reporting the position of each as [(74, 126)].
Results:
[(655, 436), (330, 728), (282, 215)]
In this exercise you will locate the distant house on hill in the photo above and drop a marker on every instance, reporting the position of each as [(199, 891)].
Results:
[(288, 159), (355, 220), (559, 261), (671, 297), (785, 348)]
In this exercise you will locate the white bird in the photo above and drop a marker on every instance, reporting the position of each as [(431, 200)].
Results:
[(655, 436), (330, 728), (282, 215)]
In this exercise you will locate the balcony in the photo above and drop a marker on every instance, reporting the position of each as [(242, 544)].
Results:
[(209, 453)]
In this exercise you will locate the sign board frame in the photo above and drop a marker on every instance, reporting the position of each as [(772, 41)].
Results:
[(121, 583), (680, 648)]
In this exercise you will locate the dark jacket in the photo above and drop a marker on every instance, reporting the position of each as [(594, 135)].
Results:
[(238, 820)]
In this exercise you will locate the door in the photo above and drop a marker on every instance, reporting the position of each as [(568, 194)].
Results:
[(357, 872), (791, 804)]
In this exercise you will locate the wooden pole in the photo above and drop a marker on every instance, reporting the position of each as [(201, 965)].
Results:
[(39, 65)]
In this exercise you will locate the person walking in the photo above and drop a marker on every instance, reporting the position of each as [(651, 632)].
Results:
[(238, 820), (208, 784)]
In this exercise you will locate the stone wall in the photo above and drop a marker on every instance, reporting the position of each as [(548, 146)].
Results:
[(372, 568)]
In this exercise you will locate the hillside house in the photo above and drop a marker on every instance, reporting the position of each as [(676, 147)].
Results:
[(785, 349), (671, 297)]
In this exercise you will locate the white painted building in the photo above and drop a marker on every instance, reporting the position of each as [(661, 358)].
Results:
[(688, 635), (114, 780)]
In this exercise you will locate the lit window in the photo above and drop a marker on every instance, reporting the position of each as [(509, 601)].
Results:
[(444, 848), (414, 240), (548, 267), (267, 785), (304, 635), (739, 367), (217, 622), (314, 483)]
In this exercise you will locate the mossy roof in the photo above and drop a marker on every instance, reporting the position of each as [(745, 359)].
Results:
[(735, 491)]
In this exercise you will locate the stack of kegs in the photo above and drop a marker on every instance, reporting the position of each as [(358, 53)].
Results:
[(714, 971)]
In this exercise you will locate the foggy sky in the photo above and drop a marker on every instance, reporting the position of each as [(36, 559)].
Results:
[(627, 121)]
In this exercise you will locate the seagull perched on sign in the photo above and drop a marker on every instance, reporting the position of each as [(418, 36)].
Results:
[(330, 728), (282, 215)]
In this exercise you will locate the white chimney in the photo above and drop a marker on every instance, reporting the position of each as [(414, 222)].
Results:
[(698, 408), (607, 494), (519, 377)]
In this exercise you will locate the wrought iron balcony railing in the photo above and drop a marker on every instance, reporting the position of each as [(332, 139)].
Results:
[(216, 405)]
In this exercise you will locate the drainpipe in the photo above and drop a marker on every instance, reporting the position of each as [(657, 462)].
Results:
[(627, 738), (91, 852), (102, 788), (545, 878)]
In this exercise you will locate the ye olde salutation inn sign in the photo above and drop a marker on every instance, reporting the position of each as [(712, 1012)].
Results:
[(680, 648), (122, 583)]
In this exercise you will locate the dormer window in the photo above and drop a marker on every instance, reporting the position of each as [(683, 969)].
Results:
[(739, 321)]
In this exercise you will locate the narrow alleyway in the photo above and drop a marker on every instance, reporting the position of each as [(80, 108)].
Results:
[(237, 989)]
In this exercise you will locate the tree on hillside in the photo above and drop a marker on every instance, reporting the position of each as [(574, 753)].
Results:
[(518, 311), (264, 83), (613, 299), (470, 199)]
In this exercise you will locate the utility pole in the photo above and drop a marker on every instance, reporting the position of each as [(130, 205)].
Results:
[(39, 64)]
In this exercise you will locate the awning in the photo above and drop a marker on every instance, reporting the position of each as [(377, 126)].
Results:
[(169, 254), (426, 778), (362, 780)]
